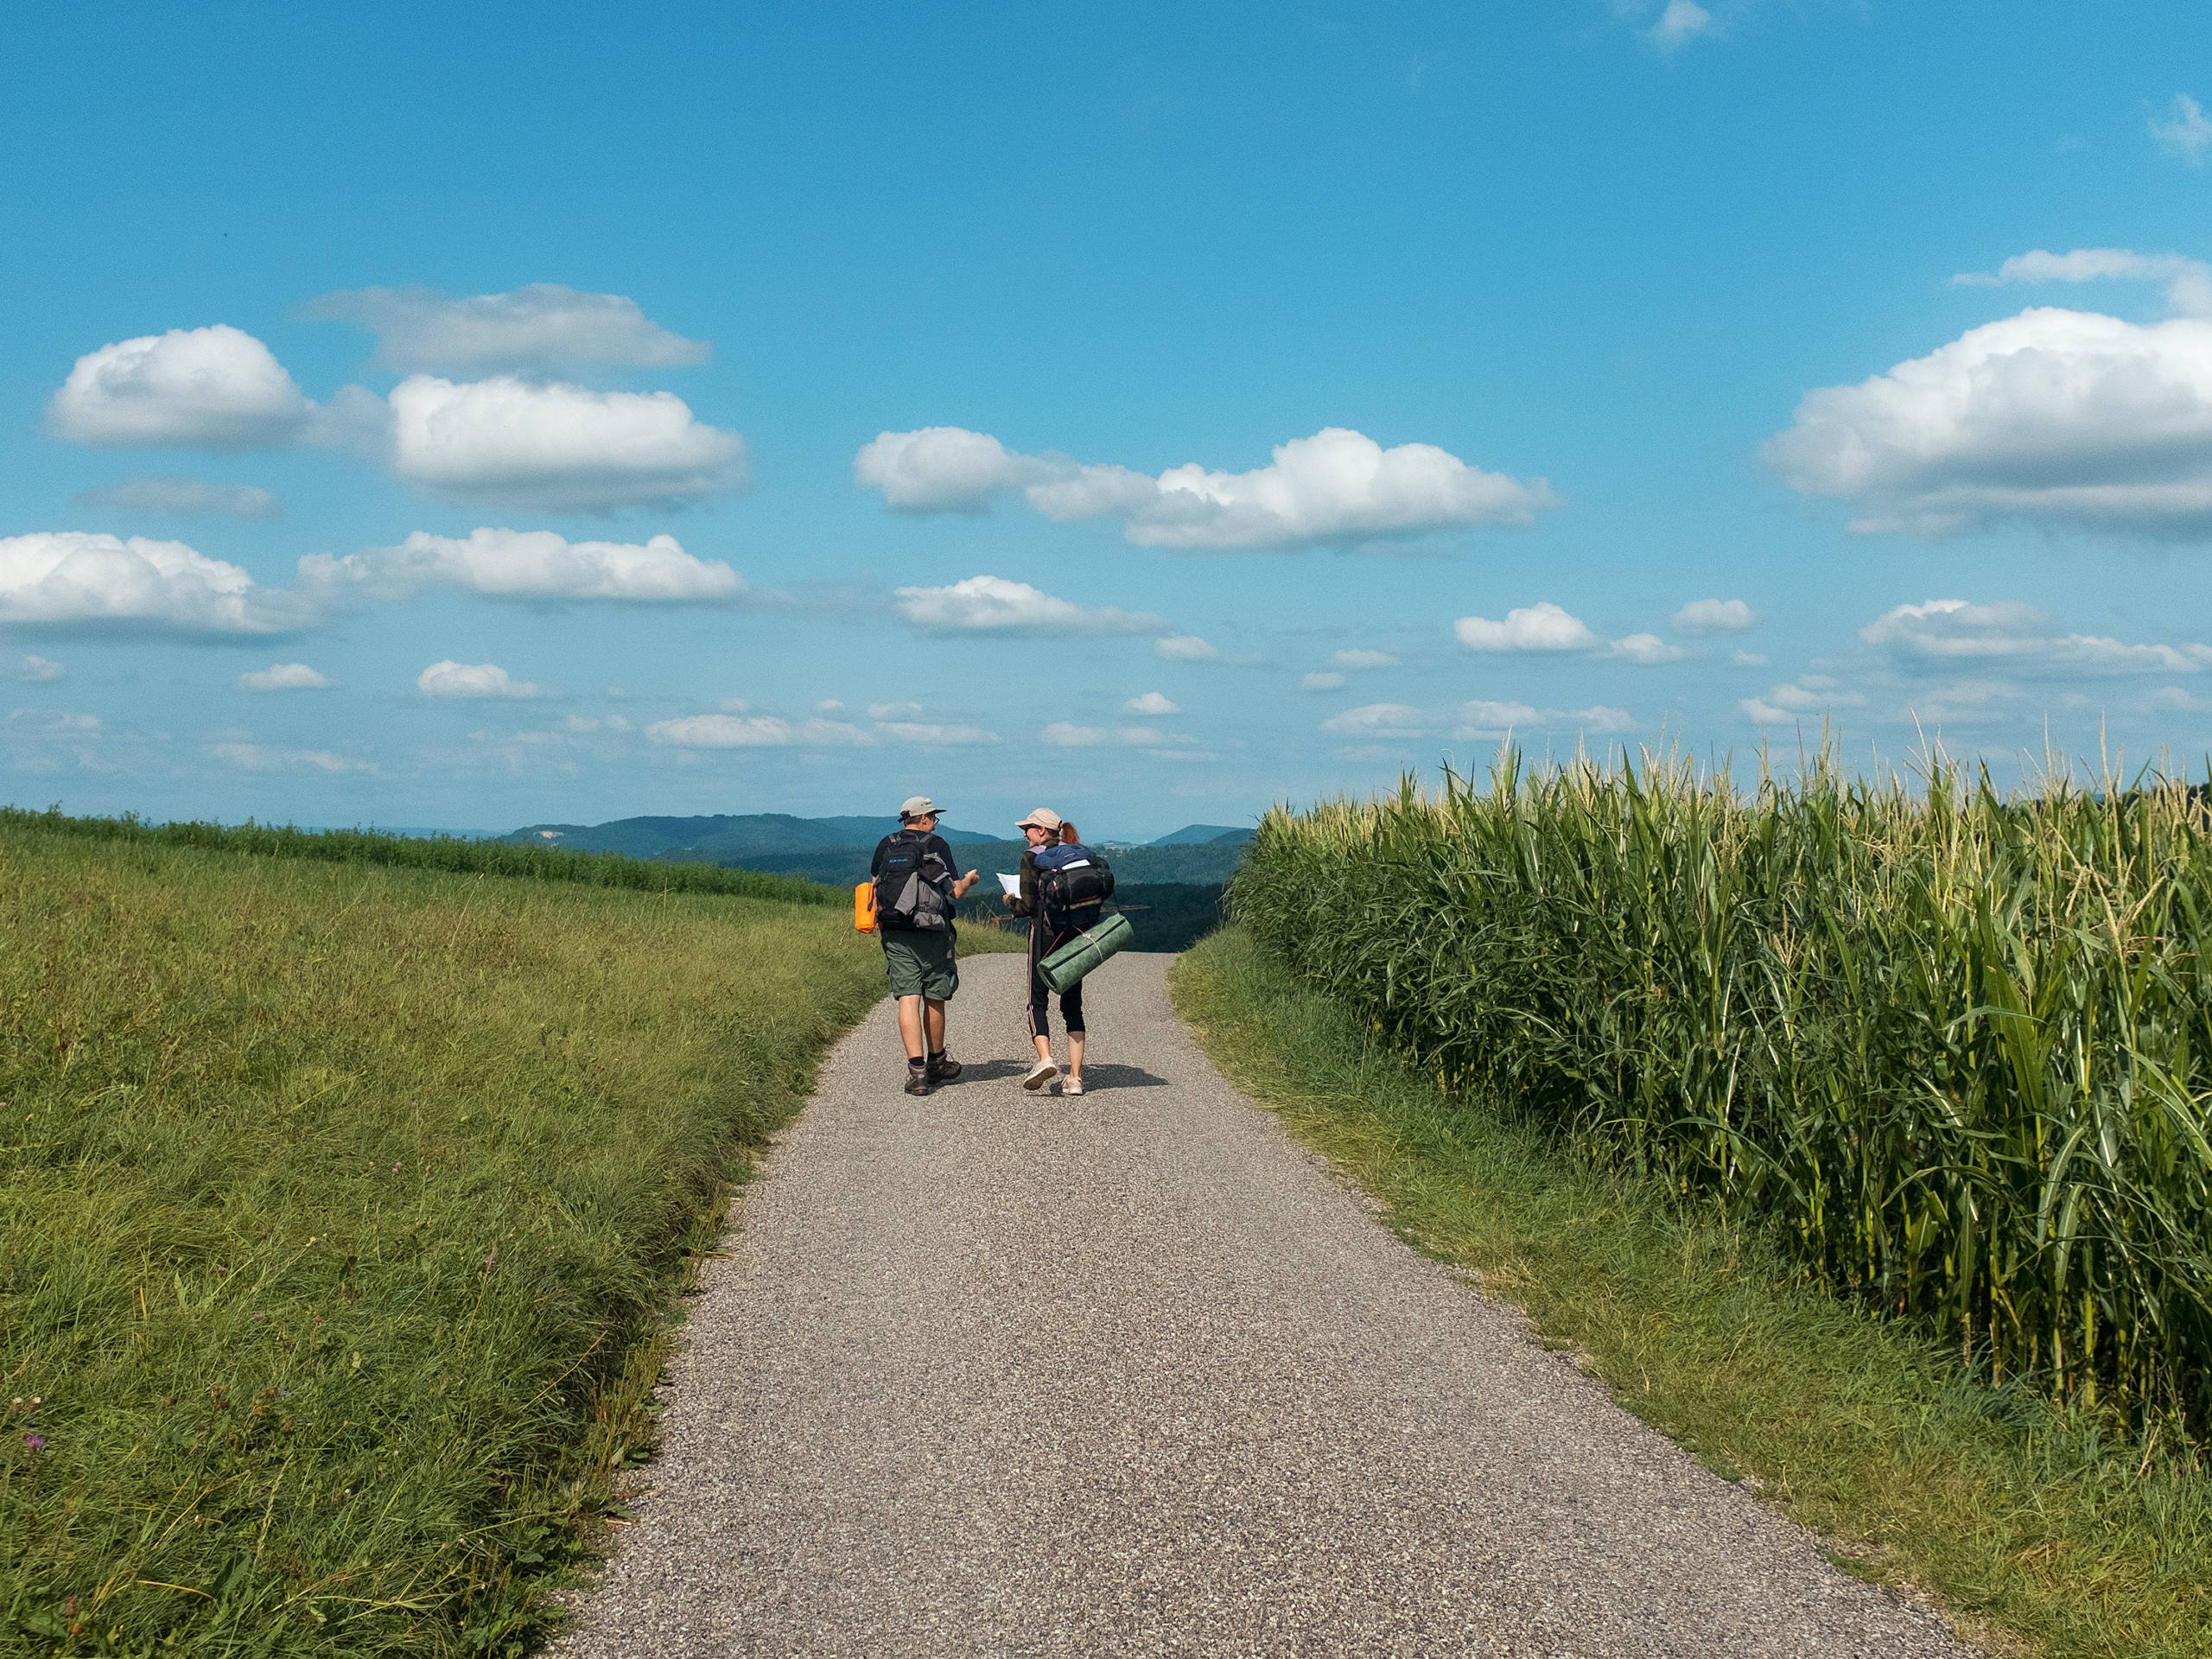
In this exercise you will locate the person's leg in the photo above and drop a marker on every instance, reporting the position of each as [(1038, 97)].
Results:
[(908, 986), (1040, 996), (1039, 1017), (941, 1065), (1071, 1015), (939, 981)]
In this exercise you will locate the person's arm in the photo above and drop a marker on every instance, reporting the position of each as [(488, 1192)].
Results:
[(939, 848), (1025, 903)]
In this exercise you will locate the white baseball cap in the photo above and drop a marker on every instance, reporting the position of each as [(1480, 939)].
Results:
[(1043, 818), (917, 806)]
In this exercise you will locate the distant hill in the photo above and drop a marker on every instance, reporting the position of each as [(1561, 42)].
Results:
[(720, 838), (1191, 834), (1205, 863), (866, 832)]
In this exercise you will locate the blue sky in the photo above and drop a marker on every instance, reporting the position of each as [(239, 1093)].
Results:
[(1155, 413)]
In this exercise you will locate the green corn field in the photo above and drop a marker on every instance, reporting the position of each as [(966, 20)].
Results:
[(1955, 1044)]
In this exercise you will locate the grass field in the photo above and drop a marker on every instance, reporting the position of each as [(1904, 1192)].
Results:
[(448, 853), (340, 1207), (2049, 1528)]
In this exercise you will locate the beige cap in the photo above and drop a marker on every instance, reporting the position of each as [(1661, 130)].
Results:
[(917, 806), (1043, 818)]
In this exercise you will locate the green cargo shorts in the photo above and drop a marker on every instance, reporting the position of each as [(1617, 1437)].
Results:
[(920, 963)]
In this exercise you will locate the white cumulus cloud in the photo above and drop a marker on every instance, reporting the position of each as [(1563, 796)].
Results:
[(2188, 282), (181, 495), (720, 732), (264, 757), (1381, 718), (82, 578), (1151, 702), (1338, 487), (452, 679), (893, 710), (1646, 648), (533, 564), (283, 676), (33, 669), (2052, 417), (216, 388), (1715, 616), (943, 469), (1321, 681), (1184, 648), (1533, 627), (1786, 704), (1478, 719), (1956, 630), (1358, 659), (994, 605), (1682, 21), (934, 735), (2186, 131), (542, 326), (556, 448), (1065, 734), (728, 731)]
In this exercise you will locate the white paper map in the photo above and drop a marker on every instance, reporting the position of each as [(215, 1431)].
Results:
[(1010, 885)]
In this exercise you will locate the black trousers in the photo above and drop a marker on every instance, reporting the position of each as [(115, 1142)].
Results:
[(1042, 943)]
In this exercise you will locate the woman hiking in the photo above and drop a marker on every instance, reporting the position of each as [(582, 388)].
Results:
[(1063, 883)]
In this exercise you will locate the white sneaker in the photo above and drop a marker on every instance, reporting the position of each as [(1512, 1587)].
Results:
[(1071, 1086), (1040, 1074)]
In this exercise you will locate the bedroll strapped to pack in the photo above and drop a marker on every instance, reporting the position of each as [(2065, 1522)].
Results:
[(1085, 951)]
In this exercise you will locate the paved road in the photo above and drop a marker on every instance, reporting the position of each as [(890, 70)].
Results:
[(997, 1373)]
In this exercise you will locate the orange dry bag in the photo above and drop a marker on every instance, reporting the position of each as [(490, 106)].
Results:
[(864, 906)]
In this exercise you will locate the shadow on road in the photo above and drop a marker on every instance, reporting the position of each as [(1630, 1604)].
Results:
[(988, 1071), (1120, 1077)]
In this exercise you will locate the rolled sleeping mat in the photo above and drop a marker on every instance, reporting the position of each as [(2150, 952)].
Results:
[(864, 907), (1085, 951)]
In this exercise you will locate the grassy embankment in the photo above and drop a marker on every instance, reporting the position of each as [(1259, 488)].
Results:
[(340, 1207), (448, 853), (1663, 1065)]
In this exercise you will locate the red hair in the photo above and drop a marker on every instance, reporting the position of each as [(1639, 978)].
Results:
[(1068, 837)]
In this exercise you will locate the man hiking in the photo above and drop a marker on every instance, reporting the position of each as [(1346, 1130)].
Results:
[(915, 891)]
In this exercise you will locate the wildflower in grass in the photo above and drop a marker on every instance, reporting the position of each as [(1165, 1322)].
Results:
[(35, 1442)]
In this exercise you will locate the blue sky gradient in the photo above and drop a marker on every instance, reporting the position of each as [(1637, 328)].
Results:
[(1608, 246)]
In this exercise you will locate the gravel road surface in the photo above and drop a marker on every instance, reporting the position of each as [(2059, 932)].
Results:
[(998, 1373)]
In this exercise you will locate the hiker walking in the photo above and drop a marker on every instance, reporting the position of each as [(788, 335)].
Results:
[(915, 890), (1064, 885)]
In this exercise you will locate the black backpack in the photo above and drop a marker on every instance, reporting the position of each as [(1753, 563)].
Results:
[(909, 891), (1074, 895)]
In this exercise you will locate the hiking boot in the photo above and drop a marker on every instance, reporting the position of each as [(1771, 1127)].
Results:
[(943, 1068), (1040, 1074), (1071, 1085), (918, 1080)]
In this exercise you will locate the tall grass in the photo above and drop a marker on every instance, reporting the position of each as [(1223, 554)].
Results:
[(338, 1207), (1955, 1045), (452, 853)]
